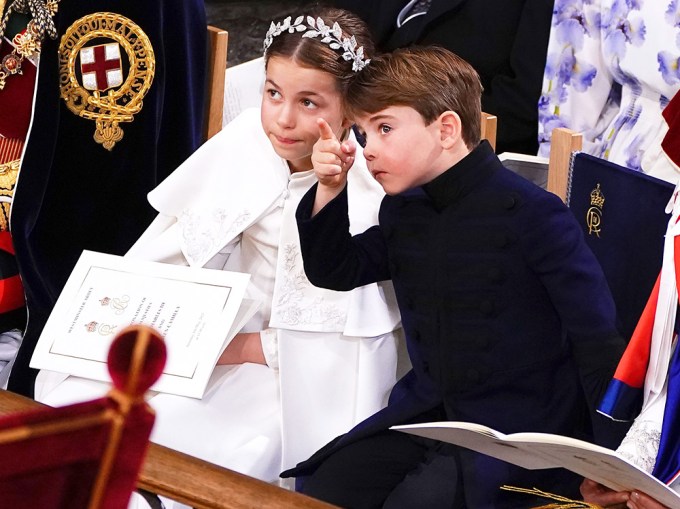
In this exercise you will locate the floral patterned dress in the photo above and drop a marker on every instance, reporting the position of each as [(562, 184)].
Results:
[(612, 67)]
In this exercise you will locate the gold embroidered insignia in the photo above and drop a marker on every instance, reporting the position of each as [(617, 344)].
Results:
[(92, 72), (8, 179), (594, 213)]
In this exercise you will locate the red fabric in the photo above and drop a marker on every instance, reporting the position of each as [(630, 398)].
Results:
[(57, 470), (6, 242), (10, 149), (632, 367), (16, 99), (120, 356), (11, 288), (671, 142), (11, 294)]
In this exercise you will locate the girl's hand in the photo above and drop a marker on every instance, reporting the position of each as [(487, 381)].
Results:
[(245, 347), (331, 160)]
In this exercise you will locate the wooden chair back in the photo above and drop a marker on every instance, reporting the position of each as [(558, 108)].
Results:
[(489, 125), (218, 40), (564, 143)]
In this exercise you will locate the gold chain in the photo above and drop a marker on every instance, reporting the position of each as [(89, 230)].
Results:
[(26, 44)]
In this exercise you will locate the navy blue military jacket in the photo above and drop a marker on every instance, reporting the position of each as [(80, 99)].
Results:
[(508, 318)]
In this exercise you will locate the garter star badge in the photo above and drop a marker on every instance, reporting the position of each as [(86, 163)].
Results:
[(106, 67)]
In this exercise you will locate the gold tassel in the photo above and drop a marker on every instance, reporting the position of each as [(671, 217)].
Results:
[(561, 502)]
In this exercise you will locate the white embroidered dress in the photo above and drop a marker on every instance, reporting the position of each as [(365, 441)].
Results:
[(232, 205)]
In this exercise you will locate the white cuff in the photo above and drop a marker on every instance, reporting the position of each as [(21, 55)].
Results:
[(270, 347)]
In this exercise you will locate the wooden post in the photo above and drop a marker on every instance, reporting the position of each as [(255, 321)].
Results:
[(489, 126), (563, 143), (217, 66)]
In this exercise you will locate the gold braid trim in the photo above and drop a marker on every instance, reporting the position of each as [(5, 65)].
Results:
[(562, 502), (8, 179)]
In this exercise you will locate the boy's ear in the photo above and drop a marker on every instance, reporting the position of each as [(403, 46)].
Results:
[(346, 126), (451, 129)]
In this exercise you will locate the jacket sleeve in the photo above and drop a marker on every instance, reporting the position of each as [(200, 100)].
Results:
[(557, 252), (334, 259)]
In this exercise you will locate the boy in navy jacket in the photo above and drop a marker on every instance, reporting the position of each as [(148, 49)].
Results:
[(508, 318)]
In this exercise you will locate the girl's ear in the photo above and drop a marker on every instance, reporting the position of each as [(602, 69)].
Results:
[(451, 129)]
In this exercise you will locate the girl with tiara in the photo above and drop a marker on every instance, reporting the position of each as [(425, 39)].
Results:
[(311, 363)]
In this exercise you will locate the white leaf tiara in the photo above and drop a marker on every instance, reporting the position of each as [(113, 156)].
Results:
[(329, 35)]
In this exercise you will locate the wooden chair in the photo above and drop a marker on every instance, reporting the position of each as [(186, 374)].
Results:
[(217, 65), (564, 142), (489, 125), (622, 213), (165, 472), (85, 455), (191, 481)]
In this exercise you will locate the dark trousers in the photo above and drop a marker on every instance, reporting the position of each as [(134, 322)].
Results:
[(394, 470)]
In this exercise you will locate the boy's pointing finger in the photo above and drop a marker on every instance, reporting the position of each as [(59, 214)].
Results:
[(325, 131)]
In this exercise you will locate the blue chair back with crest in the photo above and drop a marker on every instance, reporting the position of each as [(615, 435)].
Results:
[(623, 216)]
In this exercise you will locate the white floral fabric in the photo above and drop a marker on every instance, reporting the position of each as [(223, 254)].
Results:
[(612, 66)]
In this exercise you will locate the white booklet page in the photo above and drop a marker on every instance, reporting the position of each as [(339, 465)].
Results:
[(198, 311), (544, 450)]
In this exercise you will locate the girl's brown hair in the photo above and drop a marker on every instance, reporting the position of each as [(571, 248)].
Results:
[(311, 52), (430, 80)]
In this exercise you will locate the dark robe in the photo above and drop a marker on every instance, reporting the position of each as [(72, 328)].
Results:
[(74, 194), (506, 41)]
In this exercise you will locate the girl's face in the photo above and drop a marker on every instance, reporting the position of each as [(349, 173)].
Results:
[(294, 98)]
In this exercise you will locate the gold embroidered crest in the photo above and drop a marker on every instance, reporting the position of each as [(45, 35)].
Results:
[(93, 54), (594, 213), (8, 180)]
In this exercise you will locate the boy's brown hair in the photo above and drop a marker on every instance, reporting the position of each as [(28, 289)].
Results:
[(430, 80)]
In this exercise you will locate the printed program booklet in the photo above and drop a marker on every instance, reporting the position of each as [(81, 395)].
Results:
[(537, 451), (198, 311)]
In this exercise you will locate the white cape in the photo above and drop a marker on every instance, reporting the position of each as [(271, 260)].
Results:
[(332, 374)]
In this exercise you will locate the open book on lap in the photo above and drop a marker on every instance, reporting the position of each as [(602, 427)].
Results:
[(542, 450)]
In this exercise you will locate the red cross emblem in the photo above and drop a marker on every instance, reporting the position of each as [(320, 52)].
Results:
[(100, 66)]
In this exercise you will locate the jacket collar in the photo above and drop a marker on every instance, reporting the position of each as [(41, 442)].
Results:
[(456, 182)]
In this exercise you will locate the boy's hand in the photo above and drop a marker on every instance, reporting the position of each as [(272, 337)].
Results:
[(331, 160), (595, 493)]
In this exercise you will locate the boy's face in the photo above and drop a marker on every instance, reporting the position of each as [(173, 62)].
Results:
[(294, 97), (401, 151)]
